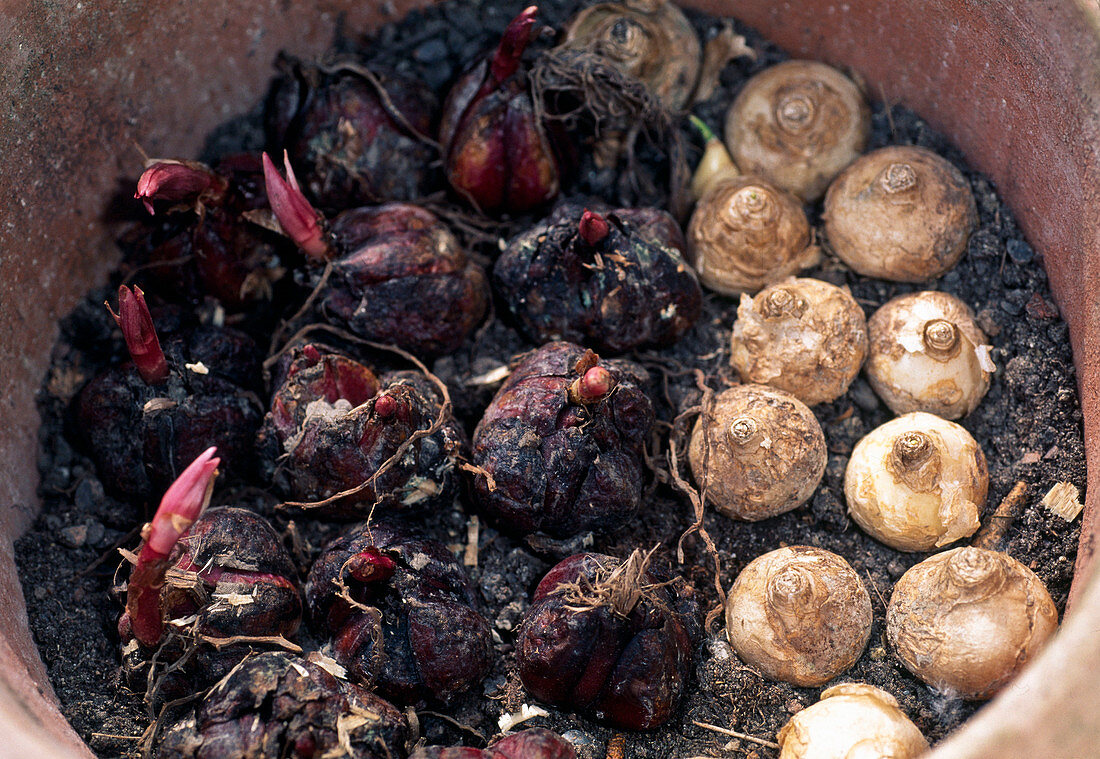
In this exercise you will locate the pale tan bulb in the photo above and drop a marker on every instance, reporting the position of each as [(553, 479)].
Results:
[(798, 614), (746, 233), (804, 336), (928, 354), (901, 213), (851, 721), (967, 620), (917, 482), (761, 452), (798, 124)]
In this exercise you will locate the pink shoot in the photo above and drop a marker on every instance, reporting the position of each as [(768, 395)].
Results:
[(593, 385), (507, 57), (593, 227), (136, 322), (181, 505), (385, 406), (178, 180), (299, 219), (370, 565)]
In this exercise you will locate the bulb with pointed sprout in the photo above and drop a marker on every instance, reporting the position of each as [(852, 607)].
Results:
[(496, 152), (398, 273), (136, 323), (967, 620), (852, 721), (181, 505), (798, 124), (804, 336), (917, 482), (758, 453), (185, 389), (746, 233), (716, 163), (901, 213), (559, 450), (615, 280), (799, 615), (333, 424), (928, 354)]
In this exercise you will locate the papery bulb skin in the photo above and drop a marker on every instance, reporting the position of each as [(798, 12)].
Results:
[(556, 456), (917, 482), (354, 135), (276, 704), (332, 424), (800, 615), (804, 336), (852, 721), (401, 277), (798, 124), (413, 630), (623, 289), (928, 354), (497, 154), (759, 452), (900, 213), (604, 637), (966, 621), (746, 234)]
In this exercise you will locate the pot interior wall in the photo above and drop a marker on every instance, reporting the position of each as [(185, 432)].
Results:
[(1015, 85)]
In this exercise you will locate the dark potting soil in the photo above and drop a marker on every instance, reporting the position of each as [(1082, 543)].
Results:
[(1029, 426)]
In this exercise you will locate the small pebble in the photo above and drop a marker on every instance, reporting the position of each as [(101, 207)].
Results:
[(96, 532), (1020, 251), (73, 536), (88, 495), (863, 395), (40, 592)]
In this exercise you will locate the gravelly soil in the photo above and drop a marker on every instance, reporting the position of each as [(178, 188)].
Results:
[(1029, 426)]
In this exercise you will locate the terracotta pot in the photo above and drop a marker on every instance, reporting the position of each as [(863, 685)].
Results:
[(1015, 84)]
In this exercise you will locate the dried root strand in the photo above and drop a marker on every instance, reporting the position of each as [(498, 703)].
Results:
[(621, 588), (697, 497), (993, 531)]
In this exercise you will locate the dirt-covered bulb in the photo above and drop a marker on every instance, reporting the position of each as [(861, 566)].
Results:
[(900, 213), (917, 482), (758, 452), (804, 336), (799, 124), (967, 620), (928, 354), (798, 614)]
